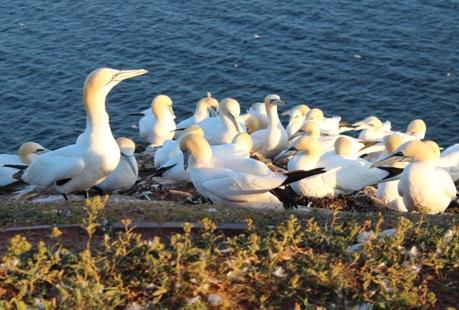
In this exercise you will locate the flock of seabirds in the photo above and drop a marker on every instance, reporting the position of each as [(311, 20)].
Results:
[(214, 150)]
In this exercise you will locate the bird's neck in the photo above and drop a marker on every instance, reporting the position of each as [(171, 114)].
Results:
[(273, 117), (96, 116)]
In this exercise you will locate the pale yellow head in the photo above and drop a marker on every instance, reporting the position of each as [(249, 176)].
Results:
[(417, 128), (206, 103), (309, 146), (126, 145), (420, 151), (310, 128), (392, 143), (251, 123), (197, 147), (194, 130), (373, 122), (315, 114), (244, 140), (434, 147), (230, 106), (304, 109), (343, 146), (29, 151), (100, 81), (161, 106)]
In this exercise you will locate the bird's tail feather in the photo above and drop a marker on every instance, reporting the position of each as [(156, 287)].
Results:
[(293, 176)]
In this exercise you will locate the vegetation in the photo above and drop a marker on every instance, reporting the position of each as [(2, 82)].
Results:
[(309, 264)]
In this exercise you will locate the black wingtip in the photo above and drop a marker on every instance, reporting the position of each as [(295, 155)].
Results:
[(293, 176), (159, 172), (393, 171), (20, 168), (287, 196)]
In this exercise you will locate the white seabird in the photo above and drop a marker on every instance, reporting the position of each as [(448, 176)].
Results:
[(26, 154), (271, 141), (257, 110), (159, 126), (222, 129), (297, 116), (223, 154), (206, 107), (345, 174), (388, 191), (331, 126), (95, 155), (372, 129), (247, 184), (126, 173), (424, 186)]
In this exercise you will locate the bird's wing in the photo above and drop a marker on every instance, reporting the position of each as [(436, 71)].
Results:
[(247, 165), (49, 168), (447, 182), (258, 138), (186, 122), (145, 125), (9, 159), (330, 126), (169, 149), (355, 175), (231, 185)]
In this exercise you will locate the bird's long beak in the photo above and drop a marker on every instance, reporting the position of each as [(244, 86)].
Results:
[(287, 153), (359, 125), (297, 134), (277, 102), (127, 74), (395, 158), (186, 158), (344, 124), (178, 129)]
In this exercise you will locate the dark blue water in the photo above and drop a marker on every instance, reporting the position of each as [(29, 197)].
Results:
[(396, 59)]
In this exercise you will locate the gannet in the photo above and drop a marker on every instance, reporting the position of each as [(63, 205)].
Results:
[(388, 191), (416, 130), (297, 116), (204, 108), (257, 110), (372, 129), (271, 141), (345, 173), (248, 183), (223, 154), (424, 187), (222, 129), (159, 126), (26, 154), (327, 143), (125, 174), (331, 126), (95, 155)]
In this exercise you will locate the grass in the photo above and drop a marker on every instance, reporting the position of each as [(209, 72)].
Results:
[(314, 260)]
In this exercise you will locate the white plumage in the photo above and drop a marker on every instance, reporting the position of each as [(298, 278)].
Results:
[(96, 154)]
